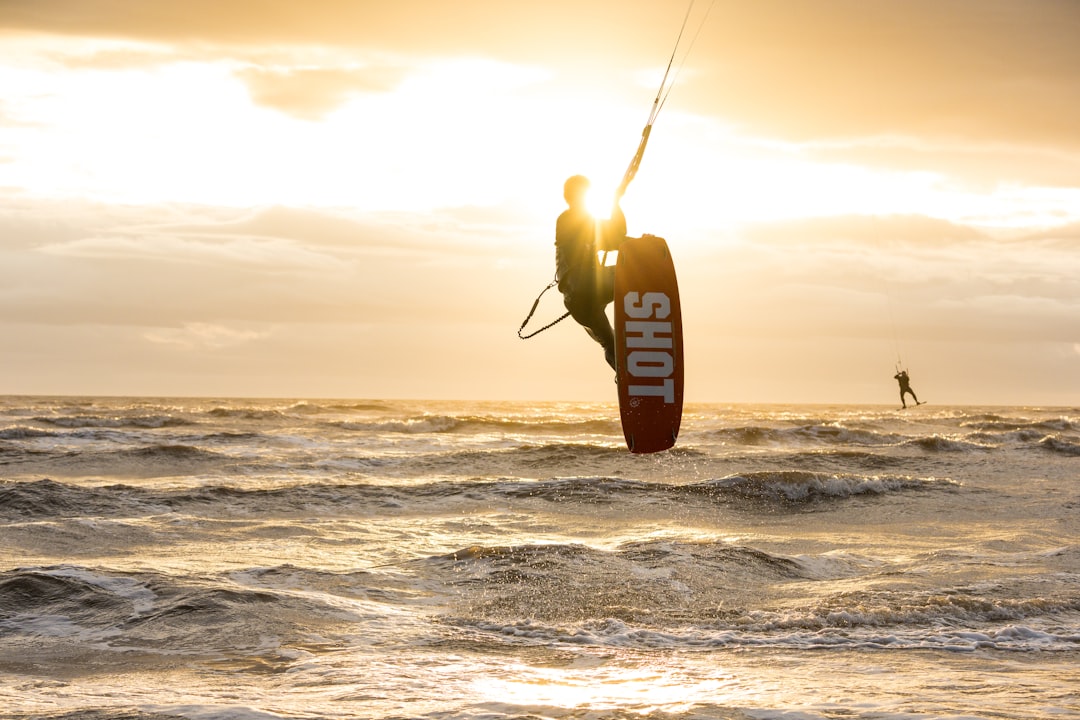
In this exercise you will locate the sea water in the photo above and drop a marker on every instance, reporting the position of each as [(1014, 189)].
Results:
[(236, 559)]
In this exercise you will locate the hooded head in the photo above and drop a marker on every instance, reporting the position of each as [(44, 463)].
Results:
[(574, 190)]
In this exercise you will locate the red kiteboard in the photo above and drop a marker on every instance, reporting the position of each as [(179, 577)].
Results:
[(648, 344)]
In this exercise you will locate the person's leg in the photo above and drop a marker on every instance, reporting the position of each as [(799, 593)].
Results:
[(599, 328), (592, 317), (606, 295), (605, 284)]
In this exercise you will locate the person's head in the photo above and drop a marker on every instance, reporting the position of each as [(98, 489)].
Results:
[(574, 190)]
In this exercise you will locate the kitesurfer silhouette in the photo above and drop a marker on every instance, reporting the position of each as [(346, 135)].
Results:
[(586, 283), (905, 387)]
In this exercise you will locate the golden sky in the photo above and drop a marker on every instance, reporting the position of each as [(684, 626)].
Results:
[(357, 199)]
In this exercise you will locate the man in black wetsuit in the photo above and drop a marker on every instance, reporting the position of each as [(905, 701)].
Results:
[(586, 284), (905, 387)]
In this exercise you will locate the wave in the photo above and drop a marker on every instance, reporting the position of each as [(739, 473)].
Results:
[(353, 584), (581, 490), (73, 594), (223, 436), (998, 423), (647, 594), (113, 421), (524, 458), (990, 439), (246, 413), (305, 407), (66, 606), (23, 432), (45, 498), (939, 443), (708, 595), (616, 633), (787, 486), (1030, 437), (417, 425), (833, 434), (479, 424), (642, 582), (1060, 446), (166, 452), (156, 460), (362, 406), (800, 486), (817, 433)]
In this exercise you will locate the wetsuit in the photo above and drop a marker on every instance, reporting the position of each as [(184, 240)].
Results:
[(905, 387), (587, 285)]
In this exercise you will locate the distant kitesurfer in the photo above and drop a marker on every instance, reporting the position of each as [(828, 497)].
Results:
[(586, 283), (905, 387)]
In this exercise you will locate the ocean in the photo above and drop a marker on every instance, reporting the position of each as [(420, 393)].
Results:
[(249, 559)]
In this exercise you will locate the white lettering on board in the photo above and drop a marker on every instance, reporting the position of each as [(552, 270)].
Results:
[(644, 334), (652, 304), (651, 362)]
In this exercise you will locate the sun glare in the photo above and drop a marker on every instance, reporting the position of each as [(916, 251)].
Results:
[(192, 131), (599, 203), (593, 688)]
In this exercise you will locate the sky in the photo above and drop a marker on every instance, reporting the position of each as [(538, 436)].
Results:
[(357, 198)]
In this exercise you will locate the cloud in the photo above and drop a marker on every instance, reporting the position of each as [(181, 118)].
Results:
[(1067, 236), (867, 230), (426, 27), (343, 234), (982, 94), (310, 93), (175, 266), (985, 70), (195, 335), (268, 254), (962, 71), (293, 301), (981, 165), (914, 278)]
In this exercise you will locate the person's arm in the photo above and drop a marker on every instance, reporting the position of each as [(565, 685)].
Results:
[(614, 231)]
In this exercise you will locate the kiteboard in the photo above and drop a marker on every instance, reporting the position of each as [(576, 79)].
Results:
[(648, 344)]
